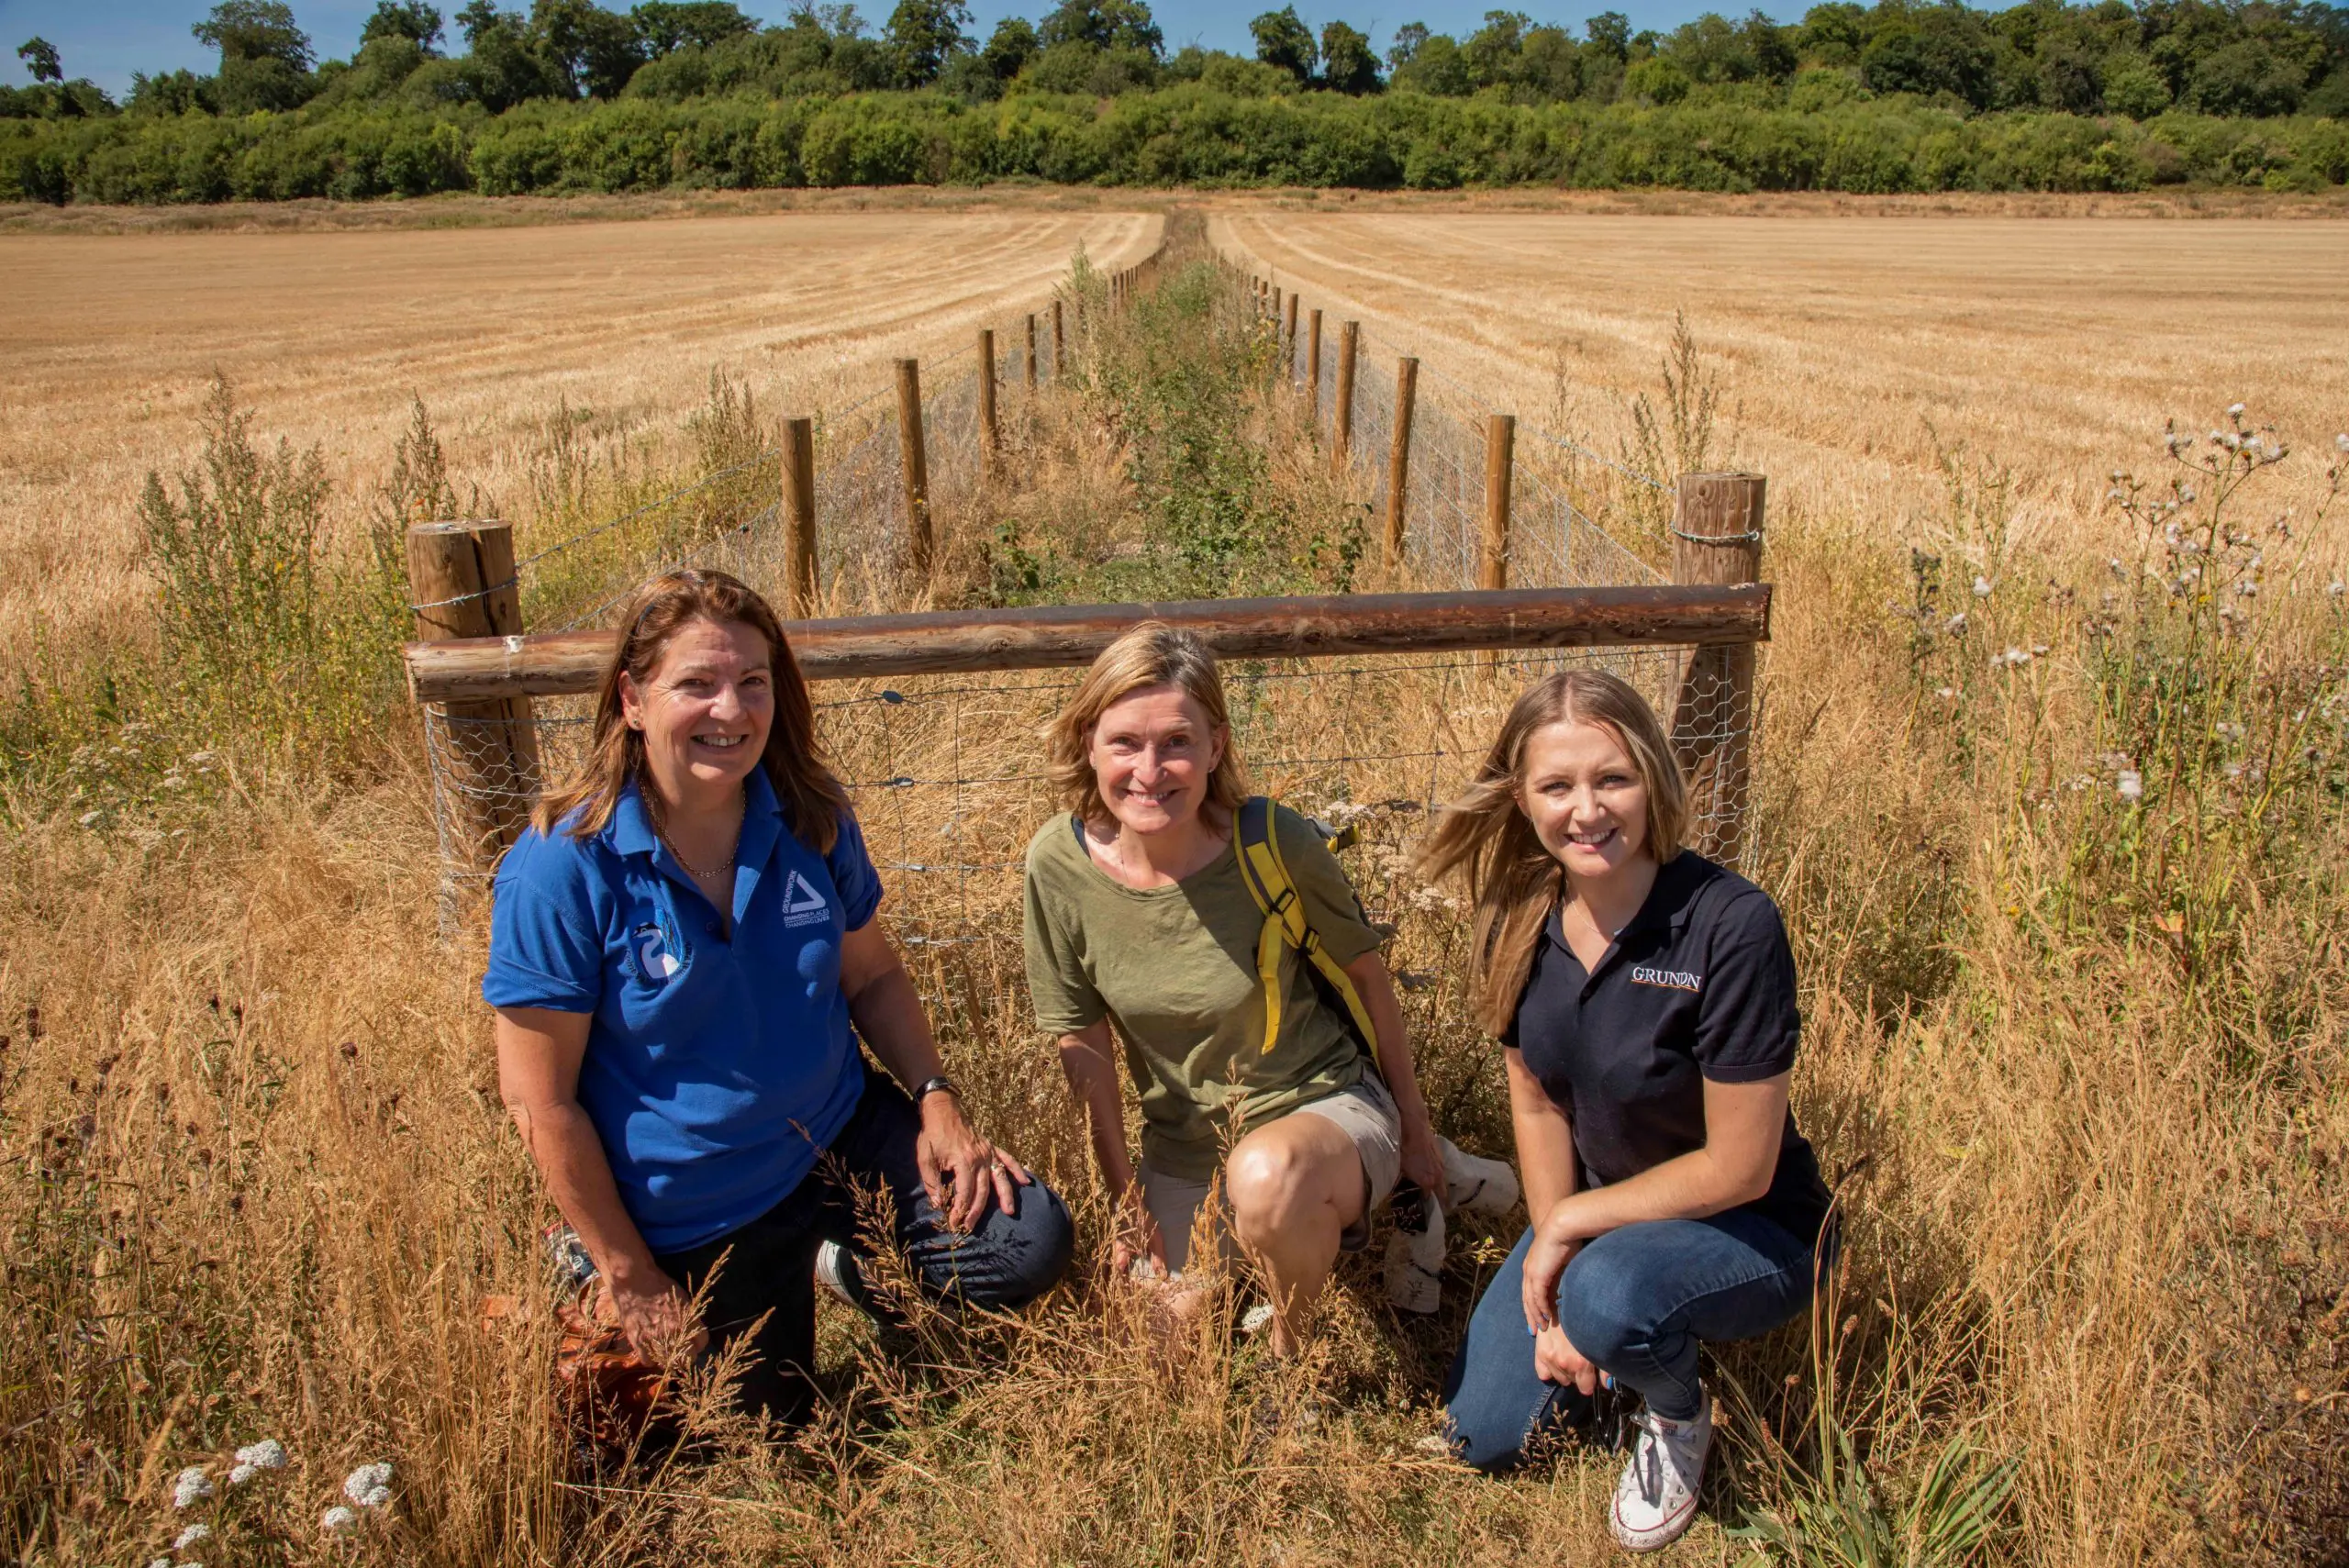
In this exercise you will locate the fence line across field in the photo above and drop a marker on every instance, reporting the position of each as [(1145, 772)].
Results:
[(860, 473), (1448, 529), (502, 710)]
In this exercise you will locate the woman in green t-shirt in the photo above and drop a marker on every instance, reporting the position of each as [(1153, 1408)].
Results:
[(1138, 917)]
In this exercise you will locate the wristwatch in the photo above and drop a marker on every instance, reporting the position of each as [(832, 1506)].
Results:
[(929, 1086)]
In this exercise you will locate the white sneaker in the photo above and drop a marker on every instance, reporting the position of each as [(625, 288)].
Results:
[(836, 1271), (1656, 1499), (1475, 1183), (1415, 1259)]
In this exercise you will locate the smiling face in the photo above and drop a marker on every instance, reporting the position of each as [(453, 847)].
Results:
[(1585, 798), (705, 711), (1152, 753)]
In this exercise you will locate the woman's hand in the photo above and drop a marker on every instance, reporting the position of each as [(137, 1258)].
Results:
[(1545, 1265), (962, 1169), (653, 1312), (1556, 1359), (1423, 1158), (1138, 1242)]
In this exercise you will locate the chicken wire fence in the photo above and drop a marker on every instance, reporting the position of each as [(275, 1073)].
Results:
[(947, 772), (950, 779), (730, 520), (1553, 541)]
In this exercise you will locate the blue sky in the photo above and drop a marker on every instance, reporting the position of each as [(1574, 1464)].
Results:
[(107, 40)]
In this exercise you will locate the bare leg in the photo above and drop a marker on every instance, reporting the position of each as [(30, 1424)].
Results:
[(1294, 1186)]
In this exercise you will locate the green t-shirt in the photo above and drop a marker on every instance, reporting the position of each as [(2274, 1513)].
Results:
[(1174, 968)]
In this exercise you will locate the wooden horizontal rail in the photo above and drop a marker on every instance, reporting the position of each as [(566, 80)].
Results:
[(939, 642)]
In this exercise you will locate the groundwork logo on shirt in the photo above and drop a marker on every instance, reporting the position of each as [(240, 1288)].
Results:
[(802, 904), (1670, 979)]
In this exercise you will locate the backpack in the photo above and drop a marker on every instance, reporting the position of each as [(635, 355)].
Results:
[(1261, 868)]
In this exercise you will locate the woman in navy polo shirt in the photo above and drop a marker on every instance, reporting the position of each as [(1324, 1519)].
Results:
[(682, 957), (1644, 997)]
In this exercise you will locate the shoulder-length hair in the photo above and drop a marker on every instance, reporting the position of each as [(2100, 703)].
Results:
[(812, 799), (1485, 838), (1152, 654)]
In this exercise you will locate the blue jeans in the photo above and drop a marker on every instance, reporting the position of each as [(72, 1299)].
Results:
[(1636, 1301), (769, 1268)]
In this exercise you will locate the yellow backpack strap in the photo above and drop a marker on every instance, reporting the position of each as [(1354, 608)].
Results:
[(1267, 874)]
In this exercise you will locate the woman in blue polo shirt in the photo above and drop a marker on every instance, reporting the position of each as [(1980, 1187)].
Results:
[(682, 957), (1644, 997)]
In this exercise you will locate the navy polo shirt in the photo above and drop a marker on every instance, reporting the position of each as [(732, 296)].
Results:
[(716, 1067), (1699, 985)]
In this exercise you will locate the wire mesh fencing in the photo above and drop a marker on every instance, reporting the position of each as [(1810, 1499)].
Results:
[(950, 777), (1554, 540)]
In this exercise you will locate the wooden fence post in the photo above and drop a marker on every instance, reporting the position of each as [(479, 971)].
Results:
[(1060, 339), (1398, 461), (915, 459), (461, 583), (1313, 370), (990, 437), (1288, 341), (1717, 541), (799, 515), (1349, 340), (1500, 451), (1032, 351)]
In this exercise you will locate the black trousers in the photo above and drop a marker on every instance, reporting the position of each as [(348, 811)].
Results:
[(769, 1269)]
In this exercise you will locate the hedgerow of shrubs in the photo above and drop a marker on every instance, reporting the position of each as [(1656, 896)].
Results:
[(1735, 138)]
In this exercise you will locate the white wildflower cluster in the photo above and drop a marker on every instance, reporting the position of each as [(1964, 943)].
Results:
[(254, 1457), (190, 1487), (336, 1519), (370, 1486), (191, 1535)]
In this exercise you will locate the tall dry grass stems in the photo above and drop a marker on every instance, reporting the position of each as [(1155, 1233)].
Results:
[(2073, 1051)]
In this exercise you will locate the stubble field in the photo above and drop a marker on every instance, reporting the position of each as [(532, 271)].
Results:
[(111, 339), (1853, 350), (2051, 802)]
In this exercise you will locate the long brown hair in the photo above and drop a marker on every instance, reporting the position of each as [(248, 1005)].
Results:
[(1485, 838), (812, 799), (1152, 654)]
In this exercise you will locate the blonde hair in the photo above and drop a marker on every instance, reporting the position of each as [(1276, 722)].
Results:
[(813, 800), (1152, 654), (1485, 838)]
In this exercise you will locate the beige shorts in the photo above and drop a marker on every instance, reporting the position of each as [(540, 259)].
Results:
[(1364, 1112)]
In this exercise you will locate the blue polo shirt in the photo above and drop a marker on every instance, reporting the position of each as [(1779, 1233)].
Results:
[(717, 1069)]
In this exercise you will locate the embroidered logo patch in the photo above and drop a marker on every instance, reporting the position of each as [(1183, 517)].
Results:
[(654, 960), (1670, 979), (802, 904)]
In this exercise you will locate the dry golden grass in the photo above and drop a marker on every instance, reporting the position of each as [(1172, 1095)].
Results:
[(110, 340)]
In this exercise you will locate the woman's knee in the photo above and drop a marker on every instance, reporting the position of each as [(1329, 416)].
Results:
[(1262, 1182), (1034, 1243), (1604, 1312)]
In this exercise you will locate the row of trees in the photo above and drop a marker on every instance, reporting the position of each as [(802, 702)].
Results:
[(2255, 58), (1716, 138)]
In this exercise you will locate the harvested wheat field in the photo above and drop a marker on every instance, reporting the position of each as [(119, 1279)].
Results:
[(112, 339), (1853, 349)]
